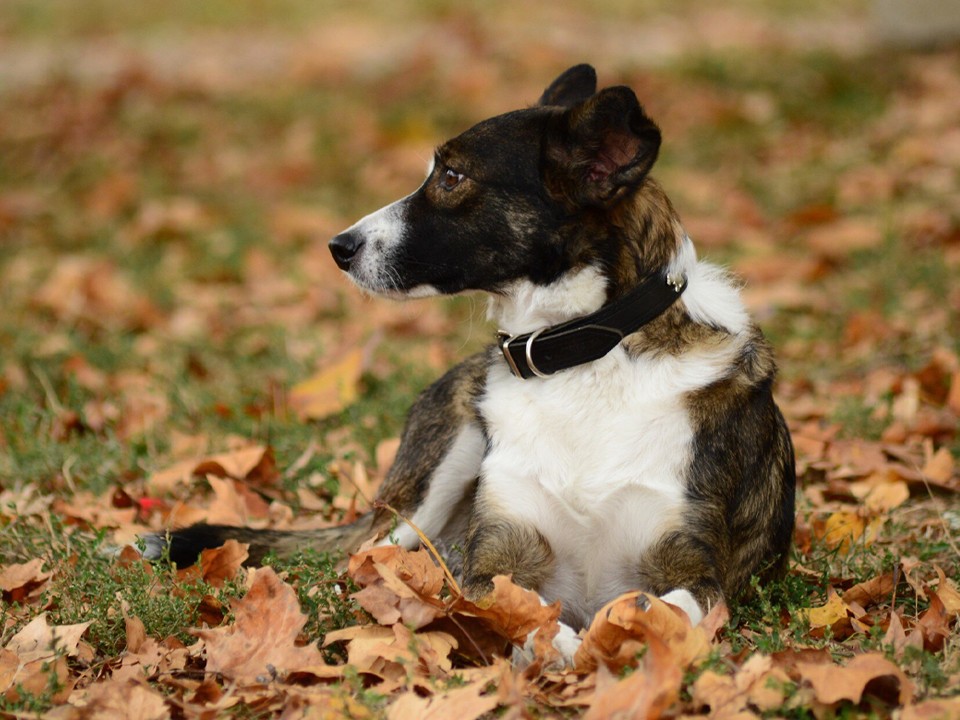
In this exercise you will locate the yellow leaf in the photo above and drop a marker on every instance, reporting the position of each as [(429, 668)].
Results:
[(834, 610), (842, 529), (940, 466), (330, 390), (886, 496), (947, 593)]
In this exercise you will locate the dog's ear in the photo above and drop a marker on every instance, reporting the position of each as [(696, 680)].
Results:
[(605, 145), (573, 86)]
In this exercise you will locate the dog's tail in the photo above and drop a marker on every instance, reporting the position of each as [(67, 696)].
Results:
[(184, 546)]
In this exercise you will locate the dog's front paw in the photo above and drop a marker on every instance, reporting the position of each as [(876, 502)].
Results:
[(684, 600), (565, 643)]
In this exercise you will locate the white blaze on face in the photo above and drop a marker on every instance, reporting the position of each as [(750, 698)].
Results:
[(383, 233)]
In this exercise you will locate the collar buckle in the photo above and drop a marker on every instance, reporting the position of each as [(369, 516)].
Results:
[(504, 340), (592, 336)]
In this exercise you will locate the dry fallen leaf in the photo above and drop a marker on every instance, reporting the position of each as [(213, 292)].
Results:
[(939, 468), (757, 683), (261, 643), (645, 693), (513, 611), (130, 699), (870, 592), (39, 641), (872, 671), (831, 612), (37, 653), (621, 629), (19, 581), (465, 703), (330, 390), (218, 565), (250, 462), (837, 240), (935, 624), (844, 530), (898, 638), (935, 709), (947, 594), (398, 585)]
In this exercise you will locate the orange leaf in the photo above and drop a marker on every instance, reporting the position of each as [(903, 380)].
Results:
[(513, 611), (935, 623), (19, 581), (39, 641), (330, 390), (888, 496), (262, 641), (839, 239), (831, 684), (948, 594), (646, 693), (397, 585), (251, 462), (464, 703), (218, 565), (389, 652), (126, 698), (897, 637), (622, 627), (939, 467), (936, 709), (728, 697), (870, 592)]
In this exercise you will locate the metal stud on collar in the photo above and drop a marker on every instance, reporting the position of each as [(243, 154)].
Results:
[(676, 281)]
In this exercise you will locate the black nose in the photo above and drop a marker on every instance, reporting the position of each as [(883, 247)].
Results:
[(345, 247)]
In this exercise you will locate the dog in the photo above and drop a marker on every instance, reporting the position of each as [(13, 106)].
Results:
[(620, 433)]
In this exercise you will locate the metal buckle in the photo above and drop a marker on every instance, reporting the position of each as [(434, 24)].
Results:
[(505, 341), (533, 368)]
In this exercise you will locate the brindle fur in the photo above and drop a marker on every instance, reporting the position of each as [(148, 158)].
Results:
[(547, 190)]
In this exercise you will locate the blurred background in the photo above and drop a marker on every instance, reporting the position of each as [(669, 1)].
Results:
[(170, 173)]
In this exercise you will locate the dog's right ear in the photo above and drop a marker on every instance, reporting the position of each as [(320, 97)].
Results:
[(573, 86)]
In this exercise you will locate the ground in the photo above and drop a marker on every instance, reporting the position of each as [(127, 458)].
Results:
[(176, 345)]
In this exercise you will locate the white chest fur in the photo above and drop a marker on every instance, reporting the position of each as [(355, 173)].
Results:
[(594, 458)]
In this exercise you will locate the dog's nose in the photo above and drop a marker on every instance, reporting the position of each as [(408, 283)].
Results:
[(344, 247)]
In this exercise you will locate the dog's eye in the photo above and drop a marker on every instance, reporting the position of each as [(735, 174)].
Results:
[(450, 179)]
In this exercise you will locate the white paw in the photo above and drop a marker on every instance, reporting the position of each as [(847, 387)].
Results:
[(566, 642), (685, 601)]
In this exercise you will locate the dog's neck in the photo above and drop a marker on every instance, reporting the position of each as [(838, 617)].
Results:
[(523, 306), (656, 244)]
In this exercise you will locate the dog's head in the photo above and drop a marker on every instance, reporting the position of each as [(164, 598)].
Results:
[(527, 195)]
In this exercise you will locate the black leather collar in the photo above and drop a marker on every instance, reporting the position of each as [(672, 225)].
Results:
[(549, 350)]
